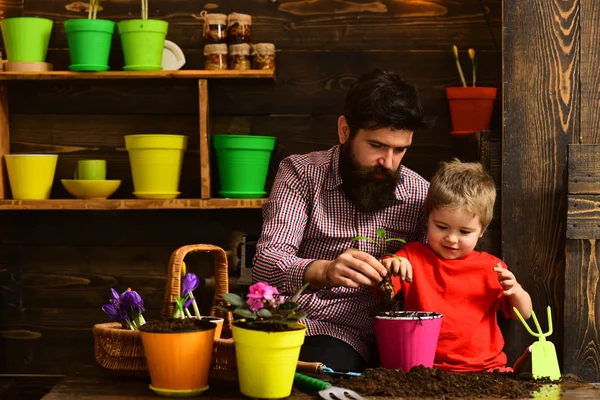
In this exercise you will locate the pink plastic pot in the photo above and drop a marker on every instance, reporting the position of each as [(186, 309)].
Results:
[(406, 339)]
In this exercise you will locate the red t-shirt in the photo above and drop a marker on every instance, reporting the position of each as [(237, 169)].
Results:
[(467, 292)]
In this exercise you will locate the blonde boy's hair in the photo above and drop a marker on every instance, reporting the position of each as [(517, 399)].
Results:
[(457, 184)]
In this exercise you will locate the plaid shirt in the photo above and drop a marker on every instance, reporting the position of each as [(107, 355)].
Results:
[(308, 217)]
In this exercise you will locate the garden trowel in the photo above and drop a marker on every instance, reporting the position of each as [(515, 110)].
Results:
[(544, 363)]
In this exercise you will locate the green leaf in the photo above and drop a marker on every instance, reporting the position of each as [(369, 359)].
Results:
[(288, 306), (233, 299), (263, 312), (300, 315), (363, 238), (223, 308), (244, 313), (395, 240), (381, 233)]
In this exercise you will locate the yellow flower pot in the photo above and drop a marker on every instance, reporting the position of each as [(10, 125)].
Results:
[(156, 162), (31, 175), (266, 361)]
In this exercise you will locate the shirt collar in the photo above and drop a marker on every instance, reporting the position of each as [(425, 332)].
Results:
[(335, 180)]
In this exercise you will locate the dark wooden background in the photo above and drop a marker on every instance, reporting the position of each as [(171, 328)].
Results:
[(56, 267)]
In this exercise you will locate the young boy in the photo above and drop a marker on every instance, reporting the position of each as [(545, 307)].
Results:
[(449, 277)]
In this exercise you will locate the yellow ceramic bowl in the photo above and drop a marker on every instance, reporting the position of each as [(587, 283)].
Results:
[(90, 189)]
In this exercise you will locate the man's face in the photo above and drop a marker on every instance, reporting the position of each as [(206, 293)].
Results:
[(369, 164)]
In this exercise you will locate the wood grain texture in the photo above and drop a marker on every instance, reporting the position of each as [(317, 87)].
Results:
[(204, 141), (589, 22), (311, 24), (541, 41), (4, 140), (584, 169), (583, 217), (126, 75), (138, 204), (582, 309)]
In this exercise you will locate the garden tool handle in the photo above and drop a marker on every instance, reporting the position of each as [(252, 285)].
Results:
[(309, 383), (310, 367)]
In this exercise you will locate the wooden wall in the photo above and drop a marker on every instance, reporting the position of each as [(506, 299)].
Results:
[(551, 102), (56, 268)]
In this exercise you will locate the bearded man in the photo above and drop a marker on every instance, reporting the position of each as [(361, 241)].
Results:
[(321, 200)]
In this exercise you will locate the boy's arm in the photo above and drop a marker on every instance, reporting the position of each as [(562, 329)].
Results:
[(522, 302)]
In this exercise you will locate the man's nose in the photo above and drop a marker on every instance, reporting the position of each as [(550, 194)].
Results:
[(387, 159)]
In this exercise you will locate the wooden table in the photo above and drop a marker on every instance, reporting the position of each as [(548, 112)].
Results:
[(99, 386)]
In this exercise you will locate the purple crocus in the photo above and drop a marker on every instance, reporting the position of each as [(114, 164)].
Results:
[(132, 301), (189, 283)]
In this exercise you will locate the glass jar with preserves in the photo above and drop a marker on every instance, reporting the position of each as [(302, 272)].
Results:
[(238, 28), (215, 28), (216, 56), (263, 56), (239, 56)]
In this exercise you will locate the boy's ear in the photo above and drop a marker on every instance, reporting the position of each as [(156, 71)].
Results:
[(483, 230)]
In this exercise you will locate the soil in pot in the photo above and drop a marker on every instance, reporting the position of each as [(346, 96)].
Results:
[(269, 327), (421, 382), (177, 325)]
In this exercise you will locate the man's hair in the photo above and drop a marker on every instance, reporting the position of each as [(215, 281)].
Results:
[(457, 184), (381, 99)]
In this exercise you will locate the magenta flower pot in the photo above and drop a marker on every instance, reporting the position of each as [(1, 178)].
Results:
[(406, 339)]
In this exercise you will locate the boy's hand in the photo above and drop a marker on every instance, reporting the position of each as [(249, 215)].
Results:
[(507, 280), (399, 267)]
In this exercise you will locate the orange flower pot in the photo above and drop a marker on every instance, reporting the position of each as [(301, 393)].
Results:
[(179, 362), (470, 108)]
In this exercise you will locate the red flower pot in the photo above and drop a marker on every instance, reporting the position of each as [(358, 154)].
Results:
[(470, 108)]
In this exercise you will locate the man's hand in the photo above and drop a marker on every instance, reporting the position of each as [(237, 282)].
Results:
[(352, 269), (399, 267)]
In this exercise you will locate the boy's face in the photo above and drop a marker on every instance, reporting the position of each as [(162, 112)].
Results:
[(453, 232)]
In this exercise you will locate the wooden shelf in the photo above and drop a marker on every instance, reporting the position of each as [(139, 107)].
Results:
[(130, 204), (184, 74)]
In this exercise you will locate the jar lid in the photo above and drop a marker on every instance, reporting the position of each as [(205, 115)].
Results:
[(243, 19), (211, 19), (263, 49), (242, 49), (216, 19), (220, 48)]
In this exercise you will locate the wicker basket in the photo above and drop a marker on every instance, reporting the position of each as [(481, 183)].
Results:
[(120, 350)]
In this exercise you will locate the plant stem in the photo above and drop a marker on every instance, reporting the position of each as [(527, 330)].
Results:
[(195, 305), (188, 313), (458, 67), (96, 4), (90, 8)]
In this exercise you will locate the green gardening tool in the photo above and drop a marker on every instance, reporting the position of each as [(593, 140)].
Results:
[(544, 363)]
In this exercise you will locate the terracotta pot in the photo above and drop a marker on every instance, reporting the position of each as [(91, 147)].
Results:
[(470, 108)]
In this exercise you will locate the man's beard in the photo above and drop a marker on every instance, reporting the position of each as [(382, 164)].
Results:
[(368, 192)]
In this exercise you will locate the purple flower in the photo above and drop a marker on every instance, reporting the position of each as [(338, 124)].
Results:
[(132, 301), (112, 312), (255, 304), (189, 284)]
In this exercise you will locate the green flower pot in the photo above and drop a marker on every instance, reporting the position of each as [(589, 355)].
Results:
[(89, 43), (143, 42), (26, 38), (243, 162)]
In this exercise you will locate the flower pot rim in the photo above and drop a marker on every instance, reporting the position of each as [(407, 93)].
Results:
[(38, 18), (431, 315), (234, 324)]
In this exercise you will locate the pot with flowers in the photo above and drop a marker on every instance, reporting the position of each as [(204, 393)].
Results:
[(404, 338), (89, 40), (117, 344), (143, 41), (179, 349), (268, 336), (470, 107)]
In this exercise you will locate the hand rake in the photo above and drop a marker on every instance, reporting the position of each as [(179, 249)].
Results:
[(326, 391), (544, 363)]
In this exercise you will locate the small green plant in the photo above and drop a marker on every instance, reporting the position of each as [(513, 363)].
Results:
[(473, 58), (265, 309), (386, 288), (93, 9)]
